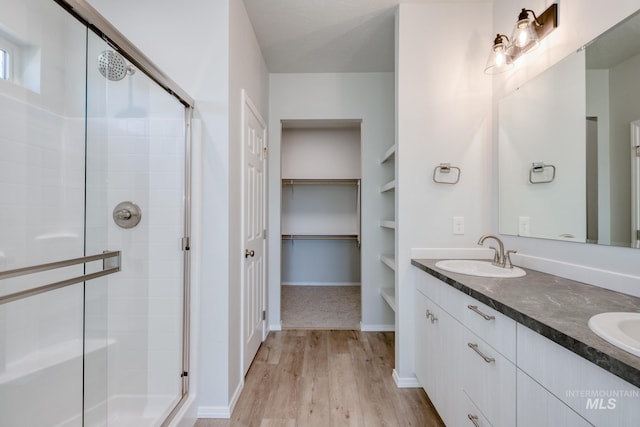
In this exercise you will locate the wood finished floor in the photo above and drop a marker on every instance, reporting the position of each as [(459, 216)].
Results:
[(324, 378)]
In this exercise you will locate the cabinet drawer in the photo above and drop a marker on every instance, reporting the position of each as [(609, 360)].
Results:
[(597, 395), (489, 379), (496, 329), (469, 415), (537, 407)]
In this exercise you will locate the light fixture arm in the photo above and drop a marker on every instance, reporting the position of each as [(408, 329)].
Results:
[(524, 14)]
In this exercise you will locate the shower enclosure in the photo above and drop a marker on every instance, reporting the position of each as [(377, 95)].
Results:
[(94, 224)]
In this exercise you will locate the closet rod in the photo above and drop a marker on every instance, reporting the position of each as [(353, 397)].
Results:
[(320, 181), (319, 237)]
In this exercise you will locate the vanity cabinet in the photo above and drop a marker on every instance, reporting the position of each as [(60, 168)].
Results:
[(538, 407), (465, 376), (516, 377), (596, 395)]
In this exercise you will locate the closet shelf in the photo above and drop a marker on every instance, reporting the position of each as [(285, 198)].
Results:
[(388, 155), (389, 295), (387, 224), (389, 261), (320, 181), (391, 185)]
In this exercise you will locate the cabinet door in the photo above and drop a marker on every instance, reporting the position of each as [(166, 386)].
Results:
[(597, 395), (437, 368), (424, 331), (537, 407)]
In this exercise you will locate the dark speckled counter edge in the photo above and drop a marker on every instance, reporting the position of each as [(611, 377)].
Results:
[(597, 357)]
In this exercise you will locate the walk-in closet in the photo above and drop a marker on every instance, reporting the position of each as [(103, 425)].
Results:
[(320, 224)]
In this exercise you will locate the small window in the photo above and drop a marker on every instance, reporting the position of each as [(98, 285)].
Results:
[(4, 65)]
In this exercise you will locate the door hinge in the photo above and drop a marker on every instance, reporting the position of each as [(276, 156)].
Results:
[(186, 244), (264, 234), (265, 151), (264, 314), (184, 374), (638, 151), (638, 235)]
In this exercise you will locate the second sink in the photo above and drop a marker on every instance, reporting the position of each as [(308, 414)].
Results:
[(479, 268), (620, 329)]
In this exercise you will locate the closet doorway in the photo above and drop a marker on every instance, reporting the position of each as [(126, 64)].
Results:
[(320, 224)]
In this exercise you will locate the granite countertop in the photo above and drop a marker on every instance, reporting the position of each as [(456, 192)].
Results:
[(554, 307)]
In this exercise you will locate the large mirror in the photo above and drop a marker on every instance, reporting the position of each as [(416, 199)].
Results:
[(568, 144)]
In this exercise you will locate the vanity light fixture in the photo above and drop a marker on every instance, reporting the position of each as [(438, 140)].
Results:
[(500, 59), (526, 34)]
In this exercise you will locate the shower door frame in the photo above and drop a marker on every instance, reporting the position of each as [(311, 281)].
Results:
[(95, 22)]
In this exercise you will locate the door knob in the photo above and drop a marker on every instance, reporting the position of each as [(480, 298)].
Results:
[(248, 253)]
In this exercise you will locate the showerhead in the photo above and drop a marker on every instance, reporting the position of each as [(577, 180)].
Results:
[(113, 66)]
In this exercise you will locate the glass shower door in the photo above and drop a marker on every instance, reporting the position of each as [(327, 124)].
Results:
[(42, 99), (135, 182)]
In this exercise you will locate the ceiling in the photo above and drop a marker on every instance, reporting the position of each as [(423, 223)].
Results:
[(326, 36)]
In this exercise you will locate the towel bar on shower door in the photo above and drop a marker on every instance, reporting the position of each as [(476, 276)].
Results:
[(63, 283)]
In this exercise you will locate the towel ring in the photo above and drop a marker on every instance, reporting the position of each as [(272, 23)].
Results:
[(446, 168), (540, 167)]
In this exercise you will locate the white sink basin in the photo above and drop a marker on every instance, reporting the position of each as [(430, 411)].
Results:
[(472, 267), (620, 329)]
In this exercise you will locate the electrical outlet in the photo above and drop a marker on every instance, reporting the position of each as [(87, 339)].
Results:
[(458, 225), (524, 226)]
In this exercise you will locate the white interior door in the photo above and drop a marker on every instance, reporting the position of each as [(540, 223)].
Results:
[(253, 235)]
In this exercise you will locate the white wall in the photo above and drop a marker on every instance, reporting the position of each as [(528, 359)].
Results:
[(332, 97), (248, 71), (442, 117), (212, 53), (577, 25)]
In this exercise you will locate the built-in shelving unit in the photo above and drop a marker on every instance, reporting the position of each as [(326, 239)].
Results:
[(388, 225), (389, 295), (389, 261), (391, 185)]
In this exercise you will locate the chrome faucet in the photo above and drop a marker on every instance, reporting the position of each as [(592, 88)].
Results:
[(500, 259)]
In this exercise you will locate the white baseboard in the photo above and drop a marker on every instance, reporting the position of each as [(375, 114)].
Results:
[(275, 327), (407, 382), (236, 396), (320, 283), (221, 412), (377, 328)]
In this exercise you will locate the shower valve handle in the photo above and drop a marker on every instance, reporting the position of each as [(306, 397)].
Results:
[(123, 214)]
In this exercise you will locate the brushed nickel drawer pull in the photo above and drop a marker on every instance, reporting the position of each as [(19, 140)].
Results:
[(486, 358), (475, 309), (474, 419)]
